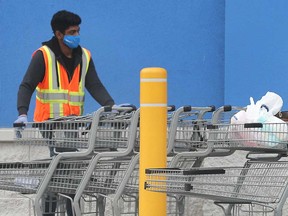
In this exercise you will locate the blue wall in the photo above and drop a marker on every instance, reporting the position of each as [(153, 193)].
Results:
[(184, 36), (256, 50)]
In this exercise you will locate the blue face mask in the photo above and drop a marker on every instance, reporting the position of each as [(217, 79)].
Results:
[(72, 41)]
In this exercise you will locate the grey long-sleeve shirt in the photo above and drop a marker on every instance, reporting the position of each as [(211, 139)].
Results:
[(36, 71)]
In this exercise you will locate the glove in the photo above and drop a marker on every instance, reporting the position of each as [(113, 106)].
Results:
[(128, 105), (114, 109), (124, 105), (21, 119)]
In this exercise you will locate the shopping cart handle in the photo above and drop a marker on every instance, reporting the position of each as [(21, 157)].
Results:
[(21, 124), (118, 107), (227, 108), (185, 172), (253, 125), (204, 172), (212, 127), (171, 108), (132, 106), (161, 170), (107, 108), (266, 156), (187, 108), (231, 202), (213, 108)]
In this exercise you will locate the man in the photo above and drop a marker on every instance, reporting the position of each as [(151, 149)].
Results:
[(59, 71)]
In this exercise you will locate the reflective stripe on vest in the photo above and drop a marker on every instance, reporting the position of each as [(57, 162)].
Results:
[(56, 91)]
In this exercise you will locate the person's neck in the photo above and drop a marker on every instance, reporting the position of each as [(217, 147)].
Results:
[(66, 51)]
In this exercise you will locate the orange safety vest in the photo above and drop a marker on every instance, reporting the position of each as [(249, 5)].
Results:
[(55, 95)]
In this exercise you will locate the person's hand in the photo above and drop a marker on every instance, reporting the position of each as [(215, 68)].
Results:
[(21, 119), (19, 125), (117, 107)]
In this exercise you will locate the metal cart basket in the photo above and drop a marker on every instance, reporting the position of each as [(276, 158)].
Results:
[(22, 177), (258, 182), (111, 135), (64, 132), (265, 137)]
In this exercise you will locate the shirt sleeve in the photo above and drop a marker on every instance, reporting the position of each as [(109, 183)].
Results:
[(95, 87), (33, 76)]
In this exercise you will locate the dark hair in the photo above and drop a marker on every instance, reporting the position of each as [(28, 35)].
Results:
[(64, 19)]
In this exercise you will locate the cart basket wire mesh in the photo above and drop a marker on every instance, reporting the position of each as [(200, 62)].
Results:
[(23, 177), (269, 137), (74, 132), (261, 181)]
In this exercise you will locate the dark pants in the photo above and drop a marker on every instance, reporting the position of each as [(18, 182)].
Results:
[(47, 133)]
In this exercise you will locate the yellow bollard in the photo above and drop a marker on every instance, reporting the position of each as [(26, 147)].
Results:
[(153, 136)]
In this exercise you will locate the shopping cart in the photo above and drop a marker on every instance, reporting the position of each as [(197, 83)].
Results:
[(191, 139), (260, 140), (258, 188), (188, 129), (25, 178), (22, 177), (111, 133), (183, 117), (73, 132), (190, 144), (63, 132), (256, 138), (108, 170), (119, 171)]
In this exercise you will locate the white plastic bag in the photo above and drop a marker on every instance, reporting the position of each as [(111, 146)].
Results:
[(273, 130)]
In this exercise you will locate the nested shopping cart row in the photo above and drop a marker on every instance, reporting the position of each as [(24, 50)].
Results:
[(70, 132), (105, 134), (23, 177), (257, 183), (105, 164), (103, 150), (257, 188)]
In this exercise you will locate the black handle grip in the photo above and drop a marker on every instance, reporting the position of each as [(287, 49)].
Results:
[(107, 108), (227, 108), (213, 108), (253, 125), (187, 108), (21, 124), (204, 172), (212, 127), (171, 108)]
